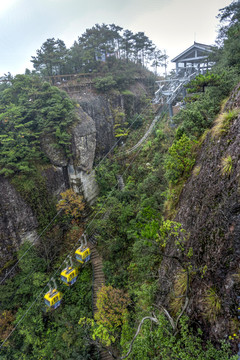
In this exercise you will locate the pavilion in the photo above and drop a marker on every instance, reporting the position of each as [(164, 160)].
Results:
[(193, 59)]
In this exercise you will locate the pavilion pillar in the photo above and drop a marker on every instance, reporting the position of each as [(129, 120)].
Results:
[(177, 68), (170, 108)]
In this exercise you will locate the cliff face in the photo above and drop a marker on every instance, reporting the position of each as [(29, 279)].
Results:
[(209, 209), (104, 110), (17, 221), (92, 135)]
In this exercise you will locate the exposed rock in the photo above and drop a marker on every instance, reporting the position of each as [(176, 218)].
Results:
[(209, 209), (17, 221), (84, 141), (102, 109), (234, 100), (54, 153), (83, 182), (56, 180), (98, 108), (92, 136)]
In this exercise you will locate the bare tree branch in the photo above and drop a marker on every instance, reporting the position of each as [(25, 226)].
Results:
[(183, 310), (154, 319)]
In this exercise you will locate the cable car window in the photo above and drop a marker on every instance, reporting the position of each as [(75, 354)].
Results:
[(63, 278), (47, 302), (79, 257)]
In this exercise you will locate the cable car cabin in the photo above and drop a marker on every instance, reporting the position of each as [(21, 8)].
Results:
[(83, 255), (53, 299), (69, 275)]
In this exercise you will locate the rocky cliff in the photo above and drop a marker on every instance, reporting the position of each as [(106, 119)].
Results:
[(92, 136), (209, 210)]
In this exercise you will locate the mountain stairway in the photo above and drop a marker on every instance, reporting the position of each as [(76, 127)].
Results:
[(98, 282)]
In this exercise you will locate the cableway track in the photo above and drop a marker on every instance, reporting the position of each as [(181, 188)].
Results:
[(163, 109)]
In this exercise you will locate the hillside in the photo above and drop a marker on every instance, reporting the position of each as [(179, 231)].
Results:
[(89, 157), (208, 210)]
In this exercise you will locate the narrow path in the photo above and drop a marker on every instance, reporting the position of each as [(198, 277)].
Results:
[(98, 275), (98, 282)]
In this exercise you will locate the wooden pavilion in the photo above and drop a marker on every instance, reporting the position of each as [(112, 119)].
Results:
[(193, 59)]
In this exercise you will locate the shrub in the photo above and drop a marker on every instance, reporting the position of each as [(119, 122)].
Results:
[(104, 83), (179, 160)]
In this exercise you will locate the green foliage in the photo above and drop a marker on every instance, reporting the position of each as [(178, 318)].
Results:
[(40, 334), (229, 36), (29, 110), (110, 317), (201, 81), (106, 176), (33, 190), (51, 58), (111, 304), (157, 342), (136, 122), (131, 234), (72, 204), (102, 333), (179, 160), (104, 84), (98, 49), (172, 231), (197, 116), (120, 124)]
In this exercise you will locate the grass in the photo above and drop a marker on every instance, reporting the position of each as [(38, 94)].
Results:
[(196, 170), (172, 194), (212, 304), (180, 288), (223, 121), (226, 165)]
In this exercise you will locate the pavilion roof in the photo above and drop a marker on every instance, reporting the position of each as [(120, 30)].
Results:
[(186, 55)]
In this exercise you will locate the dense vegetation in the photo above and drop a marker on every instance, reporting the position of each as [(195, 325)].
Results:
[(92, 50), (32, 109), (41, 334), (130, 224)]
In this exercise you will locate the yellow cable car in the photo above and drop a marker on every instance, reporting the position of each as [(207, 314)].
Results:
[(69, 275), (53, 297), (83, 253)]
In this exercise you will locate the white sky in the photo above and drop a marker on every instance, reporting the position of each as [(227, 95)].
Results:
[(172, 25)]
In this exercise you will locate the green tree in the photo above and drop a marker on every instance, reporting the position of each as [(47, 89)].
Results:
[(142, 46), (127, 42), (158, 59), (110, 317), (229, 35), (51, 57)]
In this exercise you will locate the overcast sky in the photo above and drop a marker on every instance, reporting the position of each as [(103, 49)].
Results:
[(172, 25)]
